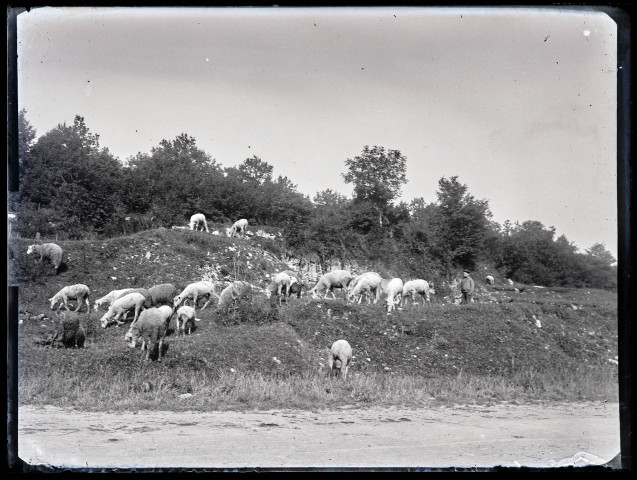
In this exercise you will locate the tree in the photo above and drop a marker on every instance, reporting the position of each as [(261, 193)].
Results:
[(255, 170), (26, 135), (377, 176), (599, 252)]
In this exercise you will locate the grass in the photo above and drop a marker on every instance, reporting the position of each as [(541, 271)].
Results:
[(540, 345)]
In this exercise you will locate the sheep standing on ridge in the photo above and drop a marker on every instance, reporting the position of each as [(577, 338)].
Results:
[(331, 280), (185, 320), (50, 251), (197, 290), (79, 292), (110, 297), (489, 279), (416, 287), (231, 295), (392, 292), (339, 358), (365, 284), (162, 294), (151, 328), (198, 222), (121, 306), (239, 227)]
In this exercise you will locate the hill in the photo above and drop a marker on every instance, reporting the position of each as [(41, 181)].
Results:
[(530, 337)]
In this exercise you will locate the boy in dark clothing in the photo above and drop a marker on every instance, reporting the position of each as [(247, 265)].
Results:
[(466, 287)]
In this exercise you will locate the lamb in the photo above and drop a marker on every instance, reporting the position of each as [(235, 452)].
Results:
[(367, 283), (331, 280), (233, 293), (339, 358), (280, 281), (121, 306), (151, 327), (489, 279), (162, 294), (69, 333), (185, 319), (111, 297), (393, 289), (239, 226), (197, 290), (198, 222), (50, 251), (79, 292), (416, 287)]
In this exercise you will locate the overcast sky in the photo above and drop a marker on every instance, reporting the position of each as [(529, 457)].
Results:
[(520, 104)]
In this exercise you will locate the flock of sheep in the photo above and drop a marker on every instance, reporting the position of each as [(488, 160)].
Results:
[(154, 308)]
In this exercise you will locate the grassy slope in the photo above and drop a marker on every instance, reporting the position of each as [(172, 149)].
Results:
[(230, 360)]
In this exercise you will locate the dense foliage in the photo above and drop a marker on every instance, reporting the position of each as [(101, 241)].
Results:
[(72, 188)]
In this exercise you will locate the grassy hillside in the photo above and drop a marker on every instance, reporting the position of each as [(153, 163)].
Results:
[(537, 344)]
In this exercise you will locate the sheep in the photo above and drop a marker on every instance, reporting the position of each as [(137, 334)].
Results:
[(197, 290), (339, 358), (393, 289), (121, 306), (69, 333), (416, 287), (233, 293), (111, 297), (509, 281), (185, 319), (151, 327), (279, 281), (79, 292), (198, 222), (239, 226), (162, 294), (331, 280), (363, 284), (489, 279), (50, 251)]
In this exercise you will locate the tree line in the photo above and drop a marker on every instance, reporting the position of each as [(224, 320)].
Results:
[(73, 188)]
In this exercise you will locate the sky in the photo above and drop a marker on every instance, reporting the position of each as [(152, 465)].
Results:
[(519, 103)]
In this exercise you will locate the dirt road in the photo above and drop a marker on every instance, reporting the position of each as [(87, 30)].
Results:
[(468, 436)]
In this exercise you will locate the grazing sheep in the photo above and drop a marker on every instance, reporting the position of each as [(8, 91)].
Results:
[(51, 251), (416, 287), (234, 292), (151, 327), (198, 222), (121, 306), (79, 292), (297, 285), (365, 284), (239, 226), (339, 358), (69, 333), (392, 291), (281, 283), (509, 281), (489, 279), (146, 294), (111, 297), (185, 320), (162, 294), (197, 290), (331, 280)]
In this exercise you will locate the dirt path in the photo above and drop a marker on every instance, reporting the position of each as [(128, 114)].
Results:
[(471, 436)]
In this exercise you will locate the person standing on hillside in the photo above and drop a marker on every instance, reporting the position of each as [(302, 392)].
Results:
[(466, 287)]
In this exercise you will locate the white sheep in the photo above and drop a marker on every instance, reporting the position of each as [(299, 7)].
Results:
[(151, 327), (79, 292), (233, 293), (162, 294), (392, 292), (110, 297), (197, 290), (339, 358), (489, 279), (509, 281), (331, 280), (50, 251), (185, 320), (198, 222), (279, 281), (416, 287), (239, 226), (121, 306), (365, 284)]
